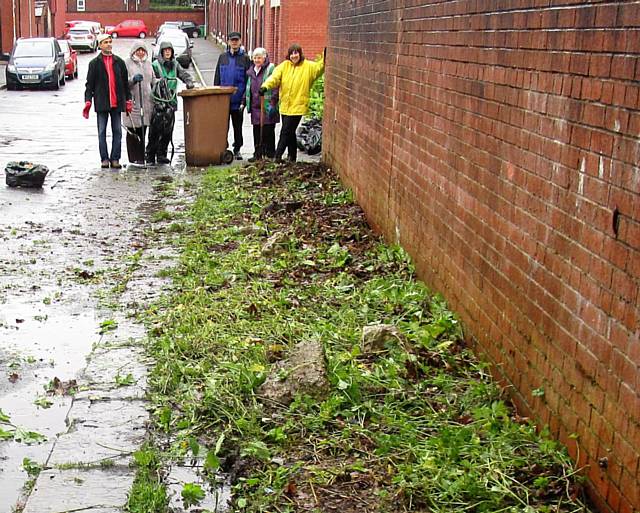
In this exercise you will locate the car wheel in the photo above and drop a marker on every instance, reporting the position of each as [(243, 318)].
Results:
[(11, 87), (56, 82), (142, 35), (194, 34), (114, 35), (75, 73), (63, 79)]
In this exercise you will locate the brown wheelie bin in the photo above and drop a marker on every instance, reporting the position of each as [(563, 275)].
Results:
[(206, 123)]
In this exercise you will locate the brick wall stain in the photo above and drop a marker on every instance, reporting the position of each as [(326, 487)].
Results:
[(499, 143)]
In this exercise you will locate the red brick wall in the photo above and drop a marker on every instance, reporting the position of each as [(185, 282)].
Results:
[(294, 21), (129, 7), (303, 22), (497, 144)]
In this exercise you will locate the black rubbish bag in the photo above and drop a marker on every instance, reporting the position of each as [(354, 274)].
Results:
[(163, 117), (309, 136), (25, 174)]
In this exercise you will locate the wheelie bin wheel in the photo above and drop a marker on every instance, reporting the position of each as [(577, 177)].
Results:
[(227, 157)]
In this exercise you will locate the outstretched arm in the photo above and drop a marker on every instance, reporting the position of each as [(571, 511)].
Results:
[(275, 78), (185, 76)]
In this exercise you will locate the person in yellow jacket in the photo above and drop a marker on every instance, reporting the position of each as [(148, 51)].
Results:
[(294, 77)]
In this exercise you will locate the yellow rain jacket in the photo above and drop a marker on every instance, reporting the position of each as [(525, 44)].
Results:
[(295, 83)]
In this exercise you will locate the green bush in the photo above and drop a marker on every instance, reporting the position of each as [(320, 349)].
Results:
[(316, 99)]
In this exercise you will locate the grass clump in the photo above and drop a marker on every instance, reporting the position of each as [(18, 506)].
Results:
[(279, 255), (148, 493)]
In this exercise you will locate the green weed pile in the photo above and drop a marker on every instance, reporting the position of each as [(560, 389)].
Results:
[(277, 255)]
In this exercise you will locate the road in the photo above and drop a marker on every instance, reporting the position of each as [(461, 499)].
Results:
[(61, 246)]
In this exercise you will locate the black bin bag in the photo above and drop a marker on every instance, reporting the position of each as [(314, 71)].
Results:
[(309, 136), (25, 174)]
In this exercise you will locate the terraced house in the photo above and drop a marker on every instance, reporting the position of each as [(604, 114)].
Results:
[(272, 24), (17, 19)]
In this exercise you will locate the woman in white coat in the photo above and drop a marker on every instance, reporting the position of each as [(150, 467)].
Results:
[(141, 79)]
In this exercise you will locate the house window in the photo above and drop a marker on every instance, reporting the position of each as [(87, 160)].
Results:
[(80, 6)]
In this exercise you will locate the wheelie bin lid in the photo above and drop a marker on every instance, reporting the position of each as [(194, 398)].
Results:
[(204, 91)]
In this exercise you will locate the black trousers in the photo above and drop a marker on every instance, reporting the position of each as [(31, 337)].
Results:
[(159, 139), (236, 122), (288, 137), (267, 146), (135, 143)]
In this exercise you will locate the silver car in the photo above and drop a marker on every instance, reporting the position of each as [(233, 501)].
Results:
[(82, 37), (181, 46)]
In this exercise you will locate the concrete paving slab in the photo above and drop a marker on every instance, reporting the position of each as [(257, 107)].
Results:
[(95, 490), (107, 371), (101, 430)]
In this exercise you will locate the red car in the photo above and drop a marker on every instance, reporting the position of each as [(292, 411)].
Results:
[(129, 28), (70, 59)]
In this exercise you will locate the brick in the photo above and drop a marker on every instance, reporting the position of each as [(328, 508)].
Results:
[(623, 66)]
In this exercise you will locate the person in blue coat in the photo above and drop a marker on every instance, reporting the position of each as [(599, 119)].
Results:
[(231, 70)]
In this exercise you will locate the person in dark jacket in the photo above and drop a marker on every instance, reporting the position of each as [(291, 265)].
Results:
[(262, 109), (108, 87), (231, 70), (167, 71)]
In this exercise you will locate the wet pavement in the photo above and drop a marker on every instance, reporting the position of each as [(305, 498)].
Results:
[(73, 387), (64, 248)]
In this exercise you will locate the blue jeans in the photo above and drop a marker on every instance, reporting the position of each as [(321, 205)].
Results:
[(116, 132)]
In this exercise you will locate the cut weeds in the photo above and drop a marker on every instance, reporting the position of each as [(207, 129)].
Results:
[(272, 256)]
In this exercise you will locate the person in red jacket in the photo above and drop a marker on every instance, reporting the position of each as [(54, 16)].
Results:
[(108, 86)]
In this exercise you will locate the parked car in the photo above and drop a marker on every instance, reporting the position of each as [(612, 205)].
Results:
[(35, 61), (68, 25), (129, 28), (70, 59), (188, 27), (181, 46), (83, 37), (167, 27)]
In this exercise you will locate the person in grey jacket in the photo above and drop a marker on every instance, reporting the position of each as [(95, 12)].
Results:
[(141, 79)]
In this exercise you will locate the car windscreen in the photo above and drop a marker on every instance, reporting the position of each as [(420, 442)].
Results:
[(80, 32), (33, 49)]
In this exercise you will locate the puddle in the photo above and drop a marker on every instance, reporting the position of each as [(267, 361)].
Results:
[(216, 501), (37, 344)]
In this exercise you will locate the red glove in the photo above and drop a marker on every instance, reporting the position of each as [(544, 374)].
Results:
[(129, 106), (85, 111)]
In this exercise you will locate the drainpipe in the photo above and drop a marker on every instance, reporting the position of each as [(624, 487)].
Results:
[(15, 35), (206, 19), (31, 14)]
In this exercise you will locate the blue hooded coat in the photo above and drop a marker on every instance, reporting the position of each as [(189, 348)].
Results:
[(231, 71)]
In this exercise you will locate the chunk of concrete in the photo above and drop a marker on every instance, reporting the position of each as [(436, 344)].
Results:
[(303, 372), (376, 336)]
